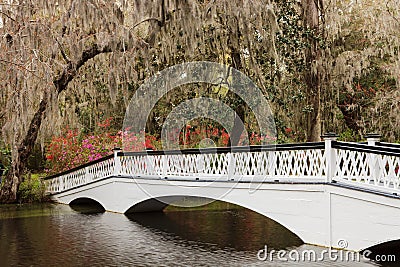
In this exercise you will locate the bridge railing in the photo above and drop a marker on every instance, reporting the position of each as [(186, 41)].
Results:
[(372, 165), (84, 174), (254, 163)]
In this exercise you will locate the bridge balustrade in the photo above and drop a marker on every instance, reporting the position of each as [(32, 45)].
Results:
[(255, 163), (374, 165)]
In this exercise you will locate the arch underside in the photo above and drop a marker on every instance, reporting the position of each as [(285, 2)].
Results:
[(385, 251), (158, 204), (87, 205)]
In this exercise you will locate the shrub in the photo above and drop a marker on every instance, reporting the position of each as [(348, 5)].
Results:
[(32, 189)]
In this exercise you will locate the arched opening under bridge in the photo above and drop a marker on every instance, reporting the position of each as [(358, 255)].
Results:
[(215, 223), (86, 205)]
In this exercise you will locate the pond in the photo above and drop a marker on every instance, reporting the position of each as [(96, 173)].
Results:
[(58, 235)]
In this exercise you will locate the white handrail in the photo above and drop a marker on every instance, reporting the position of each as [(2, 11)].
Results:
[(294, 164)]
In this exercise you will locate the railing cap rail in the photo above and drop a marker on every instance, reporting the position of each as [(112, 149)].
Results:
[(394, 145), (380, 150), (372, 135), (222, 150)]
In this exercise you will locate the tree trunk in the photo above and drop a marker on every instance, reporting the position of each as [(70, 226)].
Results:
[(238, 126), (311, 16), (240, 110), (14, 177), (9, 190)]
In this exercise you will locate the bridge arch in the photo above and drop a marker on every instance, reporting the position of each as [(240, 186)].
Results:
[(87, 205), (387, 251), (154, 204)]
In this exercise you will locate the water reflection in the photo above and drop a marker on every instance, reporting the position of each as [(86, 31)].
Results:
[(242, 230), (56, 235)]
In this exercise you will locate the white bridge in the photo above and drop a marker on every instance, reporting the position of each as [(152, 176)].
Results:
[(333, 194)]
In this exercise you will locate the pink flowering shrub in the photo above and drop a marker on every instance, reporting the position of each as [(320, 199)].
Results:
[(72, 148)]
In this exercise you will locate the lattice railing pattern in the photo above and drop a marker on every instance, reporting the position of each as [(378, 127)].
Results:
[(353, 163), (268, 164), (368, 168), (81, 176)]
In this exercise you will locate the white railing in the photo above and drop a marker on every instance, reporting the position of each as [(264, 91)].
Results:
[(85, 174), (373, 165), (248, 165)]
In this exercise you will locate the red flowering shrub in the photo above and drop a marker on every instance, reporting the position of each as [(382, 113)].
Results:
[(192, 136), (72, 148)]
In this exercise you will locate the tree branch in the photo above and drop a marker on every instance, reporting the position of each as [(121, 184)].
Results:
[(8, 16), (62, 51), (159, 22), (61, 82), (69, 72), (391, 14)]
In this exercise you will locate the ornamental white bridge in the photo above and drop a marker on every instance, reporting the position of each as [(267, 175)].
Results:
[(333, 194)]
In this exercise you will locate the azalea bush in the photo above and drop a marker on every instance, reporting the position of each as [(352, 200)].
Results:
[(192, 136), (73, 148)]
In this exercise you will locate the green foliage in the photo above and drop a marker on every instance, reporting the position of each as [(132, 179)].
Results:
[(5, 159), (349, 135), (32, 189)]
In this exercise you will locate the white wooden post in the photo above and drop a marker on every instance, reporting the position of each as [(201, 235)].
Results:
[(61, 183), (330, 156), (372, 139), (164, 163), (272, 155), (117, 162), (231, 165), (87, 179)]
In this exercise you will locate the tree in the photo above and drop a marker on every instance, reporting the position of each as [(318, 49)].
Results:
[(47, 45), (346, 42), (313, 15), (59, 51)]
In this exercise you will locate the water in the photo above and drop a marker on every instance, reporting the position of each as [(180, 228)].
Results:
[(57, 235)]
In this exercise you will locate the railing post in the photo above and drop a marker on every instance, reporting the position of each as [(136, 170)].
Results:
[(117, 162), (87, 179), (164, 163), (372, 139), (330, 156), (61, 183), (231, 165)]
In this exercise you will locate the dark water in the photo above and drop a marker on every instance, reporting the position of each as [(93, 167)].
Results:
[(56, 235)]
